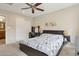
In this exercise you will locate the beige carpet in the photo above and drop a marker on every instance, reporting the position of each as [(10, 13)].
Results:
[(13, 50), (2, 41), (68, 50), (10, 50)]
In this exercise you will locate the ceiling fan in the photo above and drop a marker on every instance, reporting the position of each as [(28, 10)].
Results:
[(33, 7), (9, 3)]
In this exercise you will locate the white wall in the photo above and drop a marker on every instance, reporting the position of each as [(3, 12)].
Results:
[(23, 27), (15, 26), (65, 19), (77, 37)]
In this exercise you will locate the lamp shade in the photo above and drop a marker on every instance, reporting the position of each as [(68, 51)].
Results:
[(66, 33)]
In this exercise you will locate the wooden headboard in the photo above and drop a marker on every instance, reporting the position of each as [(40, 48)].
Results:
[(60, 32)]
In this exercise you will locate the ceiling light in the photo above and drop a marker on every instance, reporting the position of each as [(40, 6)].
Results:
[(2, 18)]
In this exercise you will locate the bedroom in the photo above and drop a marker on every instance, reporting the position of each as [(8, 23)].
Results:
[(56, 16)]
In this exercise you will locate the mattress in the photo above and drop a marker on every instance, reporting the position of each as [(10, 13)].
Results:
[(46, 43)]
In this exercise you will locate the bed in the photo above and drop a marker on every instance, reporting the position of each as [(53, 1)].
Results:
[(49, 43)]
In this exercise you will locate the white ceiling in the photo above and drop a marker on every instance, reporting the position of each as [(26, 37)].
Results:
[(48, 7)]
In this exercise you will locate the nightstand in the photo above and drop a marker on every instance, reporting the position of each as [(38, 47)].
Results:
[(68, 38), (31, 35)]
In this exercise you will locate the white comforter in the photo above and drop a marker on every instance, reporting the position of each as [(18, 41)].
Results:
[(46, 43)]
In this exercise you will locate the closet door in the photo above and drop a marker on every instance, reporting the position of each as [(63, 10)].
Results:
[(23, 27)]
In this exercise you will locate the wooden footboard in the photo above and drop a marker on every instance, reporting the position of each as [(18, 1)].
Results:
[(30, 51), (33, 52)]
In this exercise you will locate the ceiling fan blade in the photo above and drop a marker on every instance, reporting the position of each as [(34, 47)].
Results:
[(32, 10), (37, 4), (39, 9), (25, 8), (9, 3), (28, 4)]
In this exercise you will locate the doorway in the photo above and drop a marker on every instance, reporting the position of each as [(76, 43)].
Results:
[(2, 32)]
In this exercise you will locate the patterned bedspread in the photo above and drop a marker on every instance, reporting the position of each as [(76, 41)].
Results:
[(46, 43)]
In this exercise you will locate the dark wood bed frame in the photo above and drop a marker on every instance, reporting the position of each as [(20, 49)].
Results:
[(33, 52)]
